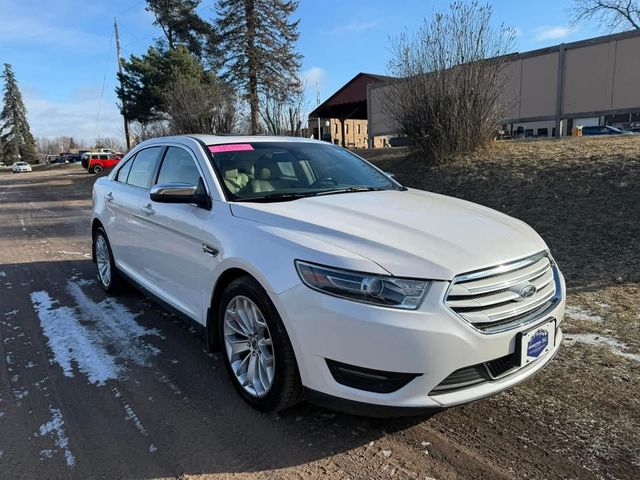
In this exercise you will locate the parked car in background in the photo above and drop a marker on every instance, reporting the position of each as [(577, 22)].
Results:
[(52, 159), (318, 275), (602, 130), (21, 167), (97, 162), (110, 151), (70, 157)]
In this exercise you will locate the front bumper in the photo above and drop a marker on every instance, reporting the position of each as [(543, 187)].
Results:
[(431, 342)]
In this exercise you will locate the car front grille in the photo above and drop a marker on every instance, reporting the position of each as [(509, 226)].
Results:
[(507, 296)]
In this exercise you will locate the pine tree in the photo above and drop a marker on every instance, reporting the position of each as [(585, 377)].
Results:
[(15, 134), (181, 25), (258, 39)]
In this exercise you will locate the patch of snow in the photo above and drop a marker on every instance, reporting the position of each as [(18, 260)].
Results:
[(12, 312), (2, 274), (131, 416), (582, 314), (46, 453), (70, 341), (55, 429), (20, 394), (386, 453), (99, 338), (616, 347), (30, 365)]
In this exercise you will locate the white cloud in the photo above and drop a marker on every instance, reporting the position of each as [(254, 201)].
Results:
[(76, 116), (355, 26), (552, 32), (313, 76)]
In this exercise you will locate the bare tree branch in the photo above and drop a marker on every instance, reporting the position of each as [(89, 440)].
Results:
[(611, 14), (451, 94)]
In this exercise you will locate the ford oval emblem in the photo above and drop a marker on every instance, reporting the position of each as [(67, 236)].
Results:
[(528, 291)]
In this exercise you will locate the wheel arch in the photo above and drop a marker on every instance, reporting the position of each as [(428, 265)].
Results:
[(95, 224), (224, 280)]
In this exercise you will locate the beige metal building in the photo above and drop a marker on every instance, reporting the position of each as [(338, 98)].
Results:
[(551, 90)]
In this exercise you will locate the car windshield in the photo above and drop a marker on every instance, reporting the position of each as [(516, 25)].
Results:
[(277, 171), (21, 164)]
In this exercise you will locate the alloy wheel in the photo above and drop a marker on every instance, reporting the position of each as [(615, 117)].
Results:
[(248, 345), (103, 260)]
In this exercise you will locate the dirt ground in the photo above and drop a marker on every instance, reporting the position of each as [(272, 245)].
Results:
[(159, 406)]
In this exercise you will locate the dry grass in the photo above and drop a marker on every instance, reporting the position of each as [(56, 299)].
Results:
[(583, 196)]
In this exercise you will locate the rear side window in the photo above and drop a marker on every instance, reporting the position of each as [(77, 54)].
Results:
[(104, 157), (123, 173), (143, 166), (178, 166)]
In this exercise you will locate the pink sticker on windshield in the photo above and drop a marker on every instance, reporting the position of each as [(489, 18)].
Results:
[(234, 147)]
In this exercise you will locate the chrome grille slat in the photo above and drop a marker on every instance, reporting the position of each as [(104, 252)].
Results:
[(501, 281), (492, 300)]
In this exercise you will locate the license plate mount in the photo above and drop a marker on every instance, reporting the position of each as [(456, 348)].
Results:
[(537, 342)]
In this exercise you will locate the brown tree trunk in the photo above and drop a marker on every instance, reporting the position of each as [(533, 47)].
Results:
[(254, 104)]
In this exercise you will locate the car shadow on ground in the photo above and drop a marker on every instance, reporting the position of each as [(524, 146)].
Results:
[(188, 417)]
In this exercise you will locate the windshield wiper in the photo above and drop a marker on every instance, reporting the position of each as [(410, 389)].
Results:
[(350, 190), (276, 197)]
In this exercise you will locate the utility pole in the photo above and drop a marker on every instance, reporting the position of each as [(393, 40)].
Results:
[(318, 104), (124, 104)]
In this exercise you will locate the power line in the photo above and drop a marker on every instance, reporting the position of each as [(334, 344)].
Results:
[(130, 7), (104, 81)]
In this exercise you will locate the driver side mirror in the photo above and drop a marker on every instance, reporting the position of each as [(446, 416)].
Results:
[(180, 193)]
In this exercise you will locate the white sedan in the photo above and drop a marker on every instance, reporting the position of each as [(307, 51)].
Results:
[(19, 167), (320, 277)]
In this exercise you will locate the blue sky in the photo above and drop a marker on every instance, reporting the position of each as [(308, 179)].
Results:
[(63, 51)]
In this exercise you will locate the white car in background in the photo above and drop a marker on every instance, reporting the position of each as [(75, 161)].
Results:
[(20, 167), (319, 276)]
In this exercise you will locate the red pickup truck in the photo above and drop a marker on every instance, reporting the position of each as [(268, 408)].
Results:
[(99, 161)]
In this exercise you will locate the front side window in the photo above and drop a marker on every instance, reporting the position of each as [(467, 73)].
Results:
[(123, 173), (265, 171), (178, 167), (143, 166)]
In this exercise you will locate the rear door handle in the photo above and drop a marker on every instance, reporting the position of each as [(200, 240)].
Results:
[(108, 197), (147, 209)]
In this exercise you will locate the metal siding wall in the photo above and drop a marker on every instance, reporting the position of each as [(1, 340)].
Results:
[(598, 77), (626, 85), (539, 85)]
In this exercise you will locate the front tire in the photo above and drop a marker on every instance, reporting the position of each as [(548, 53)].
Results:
[(108, 274), (257, 353)]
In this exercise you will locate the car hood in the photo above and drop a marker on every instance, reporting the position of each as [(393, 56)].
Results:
[(408, 233)]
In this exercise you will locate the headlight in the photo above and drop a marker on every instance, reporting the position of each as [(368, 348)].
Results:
[(362, 287)]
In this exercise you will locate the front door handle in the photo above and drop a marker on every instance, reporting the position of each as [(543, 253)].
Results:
[(148, 209), (108, 197)]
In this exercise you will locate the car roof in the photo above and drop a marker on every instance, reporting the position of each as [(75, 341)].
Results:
[(222, 139)]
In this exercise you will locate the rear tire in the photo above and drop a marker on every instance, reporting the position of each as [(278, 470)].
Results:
[(97, 169), (108, 275), (266, 347)]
